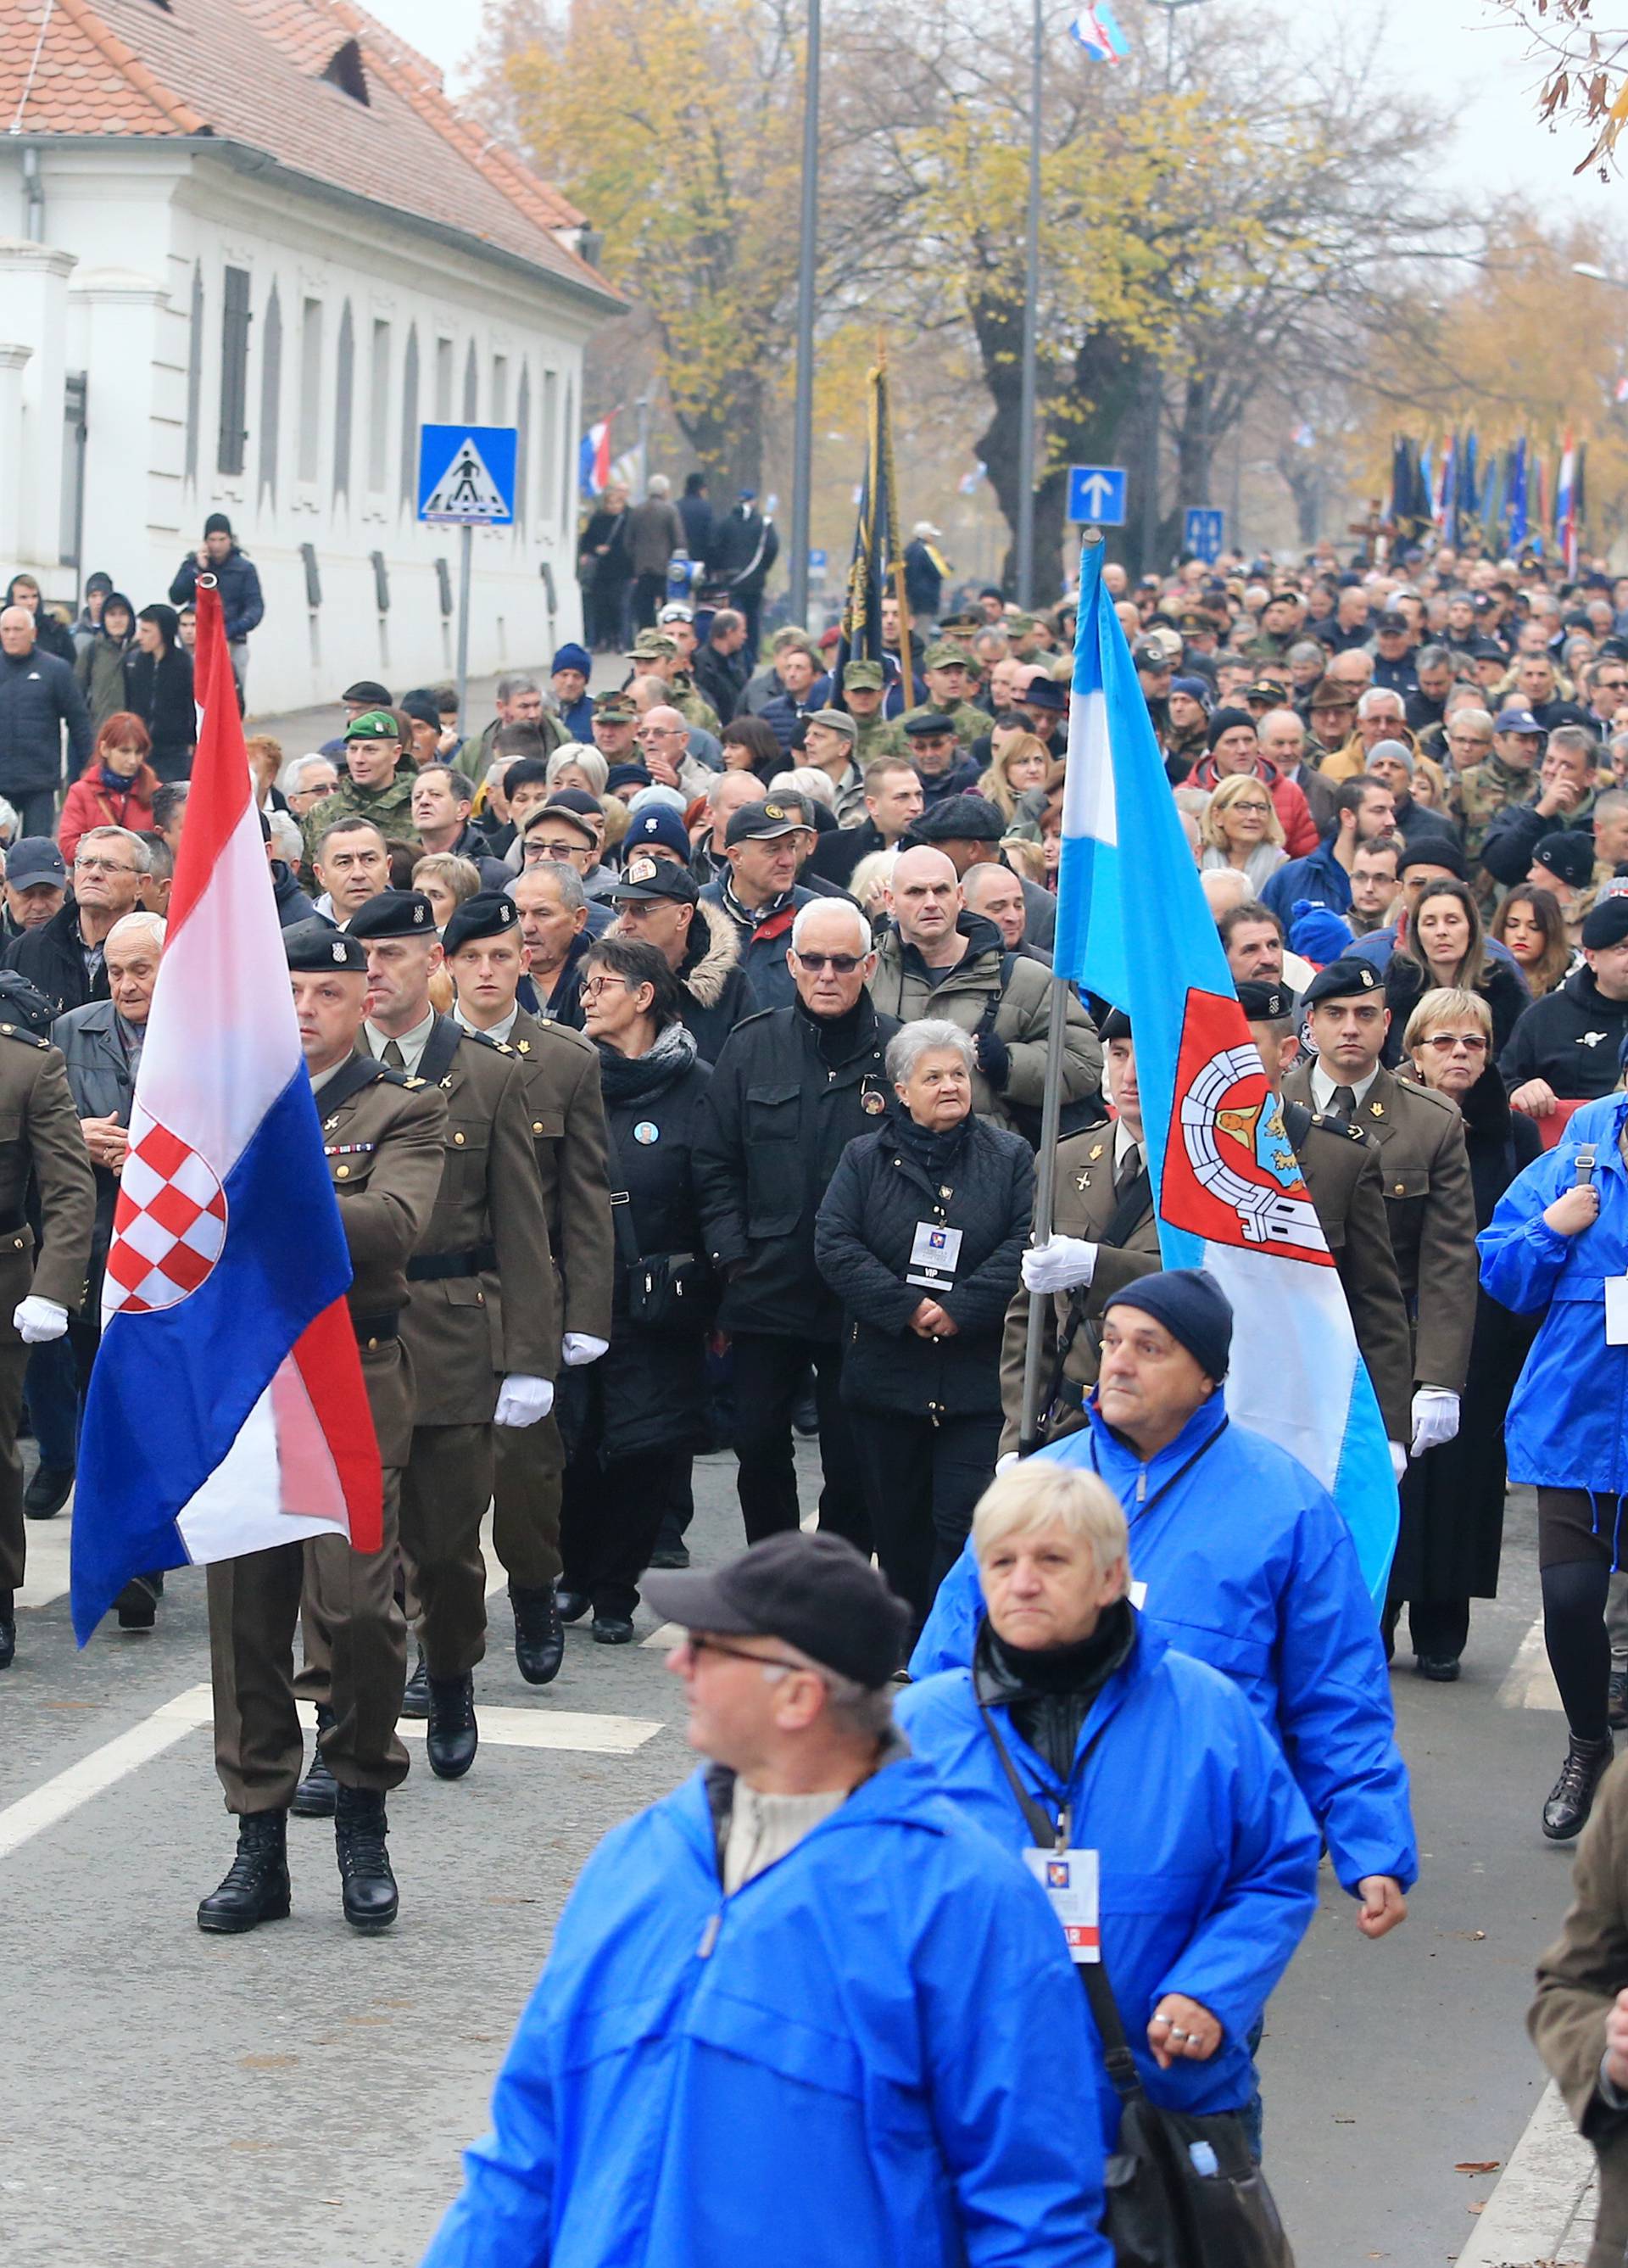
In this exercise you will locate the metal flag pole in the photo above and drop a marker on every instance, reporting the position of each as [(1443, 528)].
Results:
[(1045, 1163)]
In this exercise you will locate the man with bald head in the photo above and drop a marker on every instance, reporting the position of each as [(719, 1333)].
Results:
[(995, 892), (38, 695), (790, 1091), (941, 959), (1282, 740), (662, 739)]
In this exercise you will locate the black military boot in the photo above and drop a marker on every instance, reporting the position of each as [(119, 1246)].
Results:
[(452, 1736), (415, 1699), (137, 1604), (360, 1827), (1570, 1799), (256, 1888), (48, 1491), (313, 1798), (540, 1641), (8, 1629)]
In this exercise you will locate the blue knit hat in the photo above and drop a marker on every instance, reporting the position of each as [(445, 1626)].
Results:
[(1318, 933), (1192, 1308), (572, 656)]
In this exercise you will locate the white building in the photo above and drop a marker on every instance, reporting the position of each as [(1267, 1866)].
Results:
[(246, 247)]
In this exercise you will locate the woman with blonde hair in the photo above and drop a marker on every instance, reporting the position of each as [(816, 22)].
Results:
[(1241, 829), (446, 881), (1018, 763)]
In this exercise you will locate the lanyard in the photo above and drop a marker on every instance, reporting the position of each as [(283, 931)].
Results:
[(1039, 1826), (1165, 1487)]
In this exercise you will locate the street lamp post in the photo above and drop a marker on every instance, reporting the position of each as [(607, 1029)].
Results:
[(1154, 392), (1027, 409), (802, 421)]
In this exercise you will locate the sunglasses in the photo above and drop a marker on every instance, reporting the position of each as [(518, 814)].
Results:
[(844, 963), (697, 1642), (1444, 1043)]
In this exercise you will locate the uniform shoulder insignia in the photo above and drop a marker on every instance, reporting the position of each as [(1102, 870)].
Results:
[(21, 1031), (412, 1085), (391, 1077), (498, 1047)]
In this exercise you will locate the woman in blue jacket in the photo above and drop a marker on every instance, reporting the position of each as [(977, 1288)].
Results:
[(1206, 1856), (1558, 1237)]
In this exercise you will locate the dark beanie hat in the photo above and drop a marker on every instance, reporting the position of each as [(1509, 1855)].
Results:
[(217, 524), (1192, 1308), (1607, 924), (1568, 855), (1223, 721)]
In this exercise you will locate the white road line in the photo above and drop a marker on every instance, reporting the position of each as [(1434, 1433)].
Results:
[(666, 1637), (579, 1730), (1528, 1682), (1544, 2191)]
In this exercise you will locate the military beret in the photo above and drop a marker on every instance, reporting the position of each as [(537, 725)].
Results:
[(960, 819), (928, 725), (1607, 924), (395, 913), (943, 656), (1343, 980), (866, 676), (1265, 1003), (488, 914), (646, 879), (373, 724), (317, 945)]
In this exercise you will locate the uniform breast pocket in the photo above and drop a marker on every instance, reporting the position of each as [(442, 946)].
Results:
[(466, 1158), (349, 1174), (772, 1114), (1403, 1183)]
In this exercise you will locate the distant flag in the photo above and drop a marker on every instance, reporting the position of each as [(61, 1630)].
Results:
[(970, 481), (1096, 28), (593, 460), (1622, 389), (227, 1411), (1538, 515), (876, 535), (1303, 437), (1565, 505), (1133, 925), (1517, 503)]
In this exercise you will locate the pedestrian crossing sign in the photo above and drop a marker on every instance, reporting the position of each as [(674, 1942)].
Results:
[(466, 474)]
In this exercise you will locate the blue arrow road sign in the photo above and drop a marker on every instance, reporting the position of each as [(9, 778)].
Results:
[(466, 473), (1204, 531), (1096, 492)]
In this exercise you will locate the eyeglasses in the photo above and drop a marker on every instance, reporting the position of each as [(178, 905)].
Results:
[(540, 847), (843, 963), (326, 788), (698, 1642), (1260, 808), (100, 866), (1444, 1043), (598, 984)]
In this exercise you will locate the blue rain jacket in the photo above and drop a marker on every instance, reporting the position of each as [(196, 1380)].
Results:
[(870, 2054), (1567, 1426), (1249, 1566), (1208, 1856)]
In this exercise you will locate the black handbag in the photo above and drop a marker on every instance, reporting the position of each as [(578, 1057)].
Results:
[(666, 1291), (1182, 2191)]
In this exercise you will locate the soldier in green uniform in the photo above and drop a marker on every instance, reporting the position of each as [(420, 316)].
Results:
[(877, 736), (1507, 777), (560, 1071), (654, 653), (944, 668), (384, 1135), (372, 788)]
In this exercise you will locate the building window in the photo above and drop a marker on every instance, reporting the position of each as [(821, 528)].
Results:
[(194, 372), (344, 380), (270, 395), (234, 372), (379, 410), (523, 447), (443, 382), (345, 72), (409, 421), (500, 389), (308, 459), (471, 386)]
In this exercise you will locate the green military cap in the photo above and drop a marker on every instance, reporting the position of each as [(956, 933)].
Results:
[(649, 643), (373, 724), (1020, 625), (615, 708), (944, 657), (866, 676)]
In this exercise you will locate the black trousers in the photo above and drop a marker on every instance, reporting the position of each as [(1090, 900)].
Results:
[(649, 593), (610, 1517), (769, 1370), (922, 1482)]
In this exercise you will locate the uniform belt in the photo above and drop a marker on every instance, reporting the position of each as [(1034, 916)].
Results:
[(432, 1267), (377, 1331)]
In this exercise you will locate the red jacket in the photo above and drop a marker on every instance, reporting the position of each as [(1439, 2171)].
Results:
[(90, 802), (1299, 828)]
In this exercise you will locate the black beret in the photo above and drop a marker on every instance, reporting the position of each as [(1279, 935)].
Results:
[(1343, 980), (489, 914), (317, 945), (1116, 1025), (1265, 1003), (1608, 922), (395, 913)]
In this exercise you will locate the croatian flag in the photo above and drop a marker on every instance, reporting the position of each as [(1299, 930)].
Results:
[(1096, 28), (1565, 505), (226, 1410), (593, 458), (1133, 925)]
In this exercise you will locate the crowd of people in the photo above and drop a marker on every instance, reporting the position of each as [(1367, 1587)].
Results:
[(680, 1049)]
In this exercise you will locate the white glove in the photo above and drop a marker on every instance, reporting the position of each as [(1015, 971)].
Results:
[(1063, 1263), (1005, 1464), (1435, 1417), (1398, 1461), (36, 1322), (522, 1401), (582, 1347)]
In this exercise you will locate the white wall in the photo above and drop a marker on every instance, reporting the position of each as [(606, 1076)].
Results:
[(141, 220)]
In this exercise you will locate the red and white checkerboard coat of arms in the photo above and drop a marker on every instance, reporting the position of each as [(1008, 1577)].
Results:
[(169, 1224)]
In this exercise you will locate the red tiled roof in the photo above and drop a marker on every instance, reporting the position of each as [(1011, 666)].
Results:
[(251, 71)]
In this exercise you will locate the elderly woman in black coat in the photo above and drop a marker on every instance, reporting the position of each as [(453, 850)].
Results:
[(633, 1419), (920, 1236)]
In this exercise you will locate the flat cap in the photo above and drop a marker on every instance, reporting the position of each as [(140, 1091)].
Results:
[(960, 819)]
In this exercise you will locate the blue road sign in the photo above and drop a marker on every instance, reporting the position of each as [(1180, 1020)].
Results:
[(1204, 531), (466, 474), (1096, 492)]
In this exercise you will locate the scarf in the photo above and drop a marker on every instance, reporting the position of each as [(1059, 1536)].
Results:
[(1050, 1694), (837, 1038), (937, 1152), (632, 1078)]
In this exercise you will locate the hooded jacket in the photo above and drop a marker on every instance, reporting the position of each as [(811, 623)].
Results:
[(1300, 829), (1206, 1890), (715, 994), (870, 2054), (1572, 1037), (1272, 1596)]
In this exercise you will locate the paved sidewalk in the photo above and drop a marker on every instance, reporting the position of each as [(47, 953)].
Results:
[(1542, 2213)]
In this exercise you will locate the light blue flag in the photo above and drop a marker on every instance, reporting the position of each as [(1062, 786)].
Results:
[(1133, 925)]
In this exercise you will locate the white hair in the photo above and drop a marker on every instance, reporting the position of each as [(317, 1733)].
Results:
[(1035, 1496), (129, 927), (1365, 702), (819, 906), (932, 1036), (286, 839), (294, 771), (589, 761), (807, 780)]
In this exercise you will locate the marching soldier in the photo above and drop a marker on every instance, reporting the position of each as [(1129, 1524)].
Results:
[(1425, 1171), (1103, 1236), (944, 668), (480, 1357), (385, 1136), (41, 1139), (560, 1071)]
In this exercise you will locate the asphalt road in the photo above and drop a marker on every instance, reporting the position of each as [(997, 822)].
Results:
[(301, 2094)]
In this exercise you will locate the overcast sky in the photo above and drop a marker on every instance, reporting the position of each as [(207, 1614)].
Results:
[(1458, 47)]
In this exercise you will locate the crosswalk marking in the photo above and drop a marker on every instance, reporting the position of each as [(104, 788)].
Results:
[(1528, 1682)]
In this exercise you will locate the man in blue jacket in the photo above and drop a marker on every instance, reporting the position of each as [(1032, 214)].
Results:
[(1150, 1768), (1242, 1560), (242, 606), (800, 2010)]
